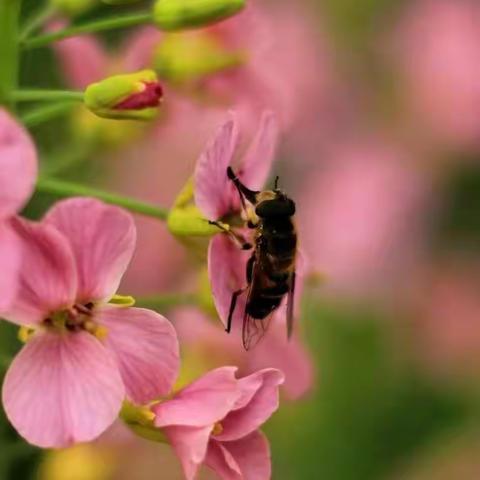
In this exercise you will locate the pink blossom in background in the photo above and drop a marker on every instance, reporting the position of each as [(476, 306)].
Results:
[(18, 172), (68, 382), (203, 336), (216, 419), (363, 217), (437, 46)]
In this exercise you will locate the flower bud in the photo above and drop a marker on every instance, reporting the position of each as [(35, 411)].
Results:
[(184, 14), (72, 8), (133, 96), (190, 56)]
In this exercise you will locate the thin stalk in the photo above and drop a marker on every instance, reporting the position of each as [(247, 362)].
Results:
[(9, 17), (95, 26), (27, 95), (43, 114), (166, 301), (63, 188), (37, 20)]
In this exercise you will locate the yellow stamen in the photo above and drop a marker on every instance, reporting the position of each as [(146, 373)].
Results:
[(217, 429), (96, 330), (25, 333), (123, 300)]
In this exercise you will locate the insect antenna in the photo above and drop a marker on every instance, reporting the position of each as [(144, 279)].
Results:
[(275, 185)]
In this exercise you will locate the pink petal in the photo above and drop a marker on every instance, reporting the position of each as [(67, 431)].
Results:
[(261, 388), (10, 260), (212, 190), (18, 165), (83, 60), (221, 461), (190, 444), (47, 278), (102, 238), (202, 403), (62, 389), (291, 357), (139, 48), (252, 455), (145, 346), (226, 271), (259, 158)]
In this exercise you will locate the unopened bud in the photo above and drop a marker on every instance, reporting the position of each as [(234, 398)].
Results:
[(190, 56), (184, 14), (134, 96)]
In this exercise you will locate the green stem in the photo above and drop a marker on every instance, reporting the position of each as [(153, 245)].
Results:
[(45, 113), (62, 188), (166, 301), (38, 19), (9, 15), (45, 95), (95, 26)]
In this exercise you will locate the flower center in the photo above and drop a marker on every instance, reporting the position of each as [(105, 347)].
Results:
[(75, 319)]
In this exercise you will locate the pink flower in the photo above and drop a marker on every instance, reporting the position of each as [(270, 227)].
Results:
[(203, 337), (68, 382), (217, 198), (216, 419), (438, 45), (18, 171), (363, 217)]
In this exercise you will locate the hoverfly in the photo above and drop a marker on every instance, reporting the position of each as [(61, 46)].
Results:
[(270, 270)]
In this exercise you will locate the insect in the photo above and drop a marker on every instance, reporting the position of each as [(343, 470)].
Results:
[(270, 270)]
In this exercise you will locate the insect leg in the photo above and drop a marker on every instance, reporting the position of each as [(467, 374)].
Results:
[(233, 303), (236, 237), (250, 195)]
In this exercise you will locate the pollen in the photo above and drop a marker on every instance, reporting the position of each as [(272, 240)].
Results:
[(217, 429), (25, 334), (96, 330)]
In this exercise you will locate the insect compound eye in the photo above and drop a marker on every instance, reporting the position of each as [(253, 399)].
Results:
[(278, 207)]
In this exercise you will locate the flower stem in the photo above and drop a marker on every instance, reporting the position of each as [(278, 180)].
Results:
[(35, 21), (46, 95), (62, 188), (166, 301), (95, 26), (9, 17), (45, 113)]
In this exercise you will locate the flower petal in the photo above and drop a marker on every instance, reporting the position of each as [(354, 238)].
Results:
[(291, 357), (62, 389), (18, 165), (190, 444), (10, 260), (145, 346), (102, 238), (226, 272), (258, 160), (252, 454), (204, 402), (264, 401), (47, 278), (212, 191), (221, 461)]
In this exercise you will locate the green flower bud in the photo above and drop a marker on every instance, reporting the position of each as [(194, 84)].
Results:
[(134, 96), (184, 14), (190, 56), (73, 8)]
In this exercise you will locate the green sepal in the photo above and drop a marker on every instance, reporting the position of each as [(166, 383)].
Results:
[(187, 57), (102, 97), (185, 14), (122, 300), (140, 420)]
